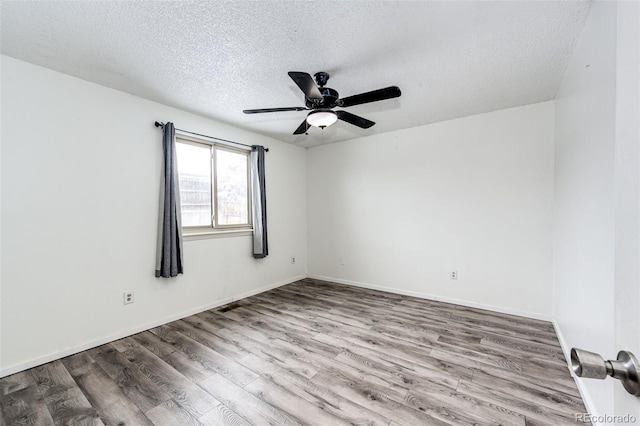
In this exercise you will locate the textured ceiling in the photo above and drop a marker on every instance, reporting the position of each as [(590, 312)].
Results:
[(450, 59)]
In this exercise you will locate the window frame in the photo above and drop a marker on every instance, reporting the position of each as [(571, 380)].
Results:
[(216, 229)]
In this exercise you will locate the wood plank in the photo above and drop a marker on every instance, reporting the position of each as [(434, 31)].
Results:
[(332, 366), (529, 409), (481, 410), (15, 382), (255, 410), (201, 324), (471, 312), (513, 350), (550, 352), (380, 339), (554, 380), (65, 401), (222, 416), (396, 373), (375, 398), (269, 350), (136, 386), (209, 359), (215, 318), (425, 364), (111, 403), (222, 346), (25, 407), (190, 397), (172, 355), (286, 337), (281, 315), (450, 414), (562, 380), (294, 314), (78, 362), (511, 325), (379, 344), (154, 344), (125, 344), (170, 413), (320, 396), (254, 319), (71, 407), (530, 391), (293, 405)]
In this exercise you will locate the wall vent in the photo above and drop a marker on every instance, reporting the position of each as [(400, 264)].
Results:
[(230, 307)]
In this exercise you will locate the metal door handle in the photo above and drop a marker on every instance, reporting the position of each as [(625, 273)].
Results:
[(591, 365)]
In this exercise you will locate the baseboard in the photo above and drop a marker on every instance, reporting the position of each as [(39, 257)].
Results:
[(586, 398), (16, 368), (421, 295)]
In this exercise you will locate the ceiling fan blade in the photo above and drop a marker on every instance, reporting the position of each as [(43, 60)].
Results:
[(307, 85), (373, 96), (304, 126), (354, 119), (258, 111)]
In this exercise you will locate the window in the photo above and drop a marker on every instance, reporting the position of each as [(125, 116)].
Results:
[(214, 186)]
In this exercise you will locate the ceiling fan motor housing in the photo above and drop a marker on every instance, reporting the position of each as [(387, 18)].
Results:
[(330, 99)]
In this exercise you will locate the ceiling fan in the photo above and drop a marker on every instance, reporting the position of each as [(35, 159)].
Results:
[(321, 100)]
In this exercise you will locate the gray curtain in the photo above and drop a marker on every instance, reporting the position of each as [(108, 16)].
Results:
[(259, 202), (169, 248)]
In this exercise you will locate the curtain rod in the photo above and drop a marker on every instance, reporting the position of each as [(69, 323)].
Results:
[(161, 124)]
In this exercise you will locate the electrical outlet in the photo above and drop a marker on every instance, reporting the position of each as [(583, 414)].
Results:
[(453, 275), (128, 297), (341, 262), (293, 260)]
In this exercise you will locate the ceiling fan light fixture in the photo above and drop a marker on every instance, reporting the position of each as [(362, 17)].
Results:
[(322, 118)]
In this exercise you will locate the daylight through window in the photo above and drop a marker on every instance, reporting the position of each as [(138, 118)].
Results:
[(214, 186)]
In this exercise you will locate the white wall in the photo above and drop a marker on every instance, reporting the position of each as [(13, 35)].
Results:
[(596, 237), (403, 209), (80, 181)]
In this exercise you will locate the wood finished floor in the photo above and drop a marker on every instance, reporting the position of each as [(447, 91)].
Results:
[(314, 353)]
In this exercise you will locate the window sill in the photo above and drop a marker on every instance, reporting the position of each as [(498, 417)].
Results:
[(205, 235)]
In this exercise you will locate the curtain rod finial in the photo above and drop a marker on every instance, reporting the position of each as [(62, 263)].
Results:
[(159, 124)]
